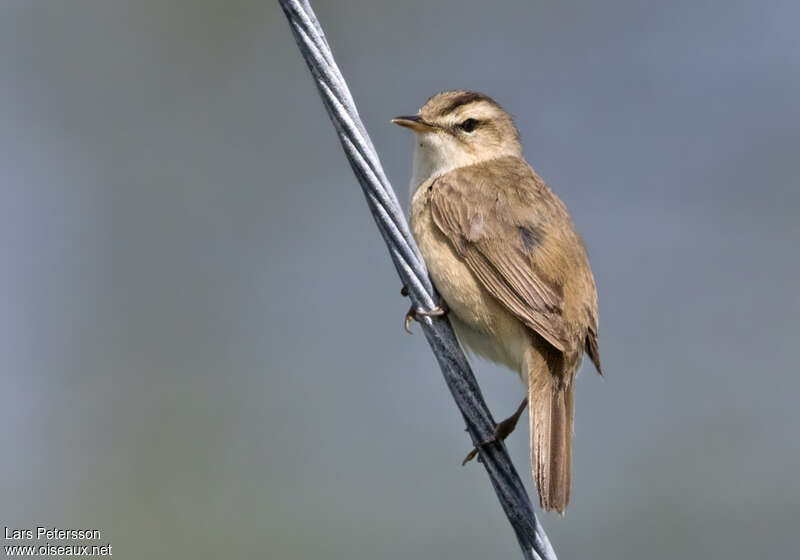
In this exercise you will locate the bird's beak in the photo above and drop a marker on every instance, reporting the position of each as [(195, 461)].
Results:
[(413, 122)]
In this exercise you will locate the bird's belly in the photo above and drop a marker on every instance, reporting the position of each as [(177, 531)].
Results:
[(481, 323)]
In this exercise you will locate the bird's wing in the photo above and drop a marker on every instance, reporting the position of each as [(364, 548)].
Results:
[(488, 212), (592, 346)]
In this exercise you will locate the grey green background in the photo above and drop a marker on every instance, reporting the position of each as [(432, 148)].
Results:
[(201, 341)]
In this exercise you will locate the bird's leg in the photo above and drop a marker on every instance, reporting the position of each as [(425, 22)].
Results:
[(414, 313), (501, 431)]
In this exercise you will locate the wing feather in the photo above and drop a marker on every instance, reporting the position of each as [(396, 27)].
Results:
[(476, 214)]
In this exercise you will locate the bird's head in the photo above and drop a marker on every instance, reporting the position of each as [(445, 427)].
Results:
[(458, 128)]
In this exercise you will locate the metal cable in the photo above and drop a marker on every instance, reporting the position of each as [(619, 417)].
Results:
[(391, 222)]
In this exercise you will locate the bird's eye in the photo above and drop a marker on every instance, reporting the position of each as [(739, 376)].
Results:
[(468, 125)]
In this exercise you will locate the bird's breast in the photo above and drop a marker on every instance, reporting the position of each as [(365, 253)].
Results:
[(480, 321)]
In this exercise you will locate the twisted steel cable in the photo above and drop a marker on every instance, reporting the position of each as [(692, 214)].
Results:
[(391, 222)]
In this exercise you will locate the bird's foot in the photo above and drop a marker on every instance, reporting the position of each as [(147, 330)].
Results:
[(501, 431), (414, 314)]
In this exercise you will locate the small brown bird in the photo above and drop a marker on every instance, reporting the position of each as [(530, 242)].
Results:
[(504, 255)]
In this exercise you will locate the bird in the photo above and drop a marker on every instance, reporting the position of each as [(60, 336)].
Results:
[(510, 268)]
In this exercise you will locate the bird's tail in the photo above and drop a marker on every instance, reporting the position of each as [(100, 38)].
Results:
[(551, 401)]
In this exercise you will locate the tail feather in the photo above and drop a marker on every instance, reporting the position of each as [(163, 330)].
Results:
[(551, 414)]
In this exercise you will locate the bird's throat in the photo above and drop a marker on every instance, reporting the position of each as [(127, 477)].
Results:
[(435, 155)]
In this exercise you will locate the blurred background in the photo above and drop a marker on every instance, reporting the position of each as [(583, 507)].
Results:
[(201, 333)]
